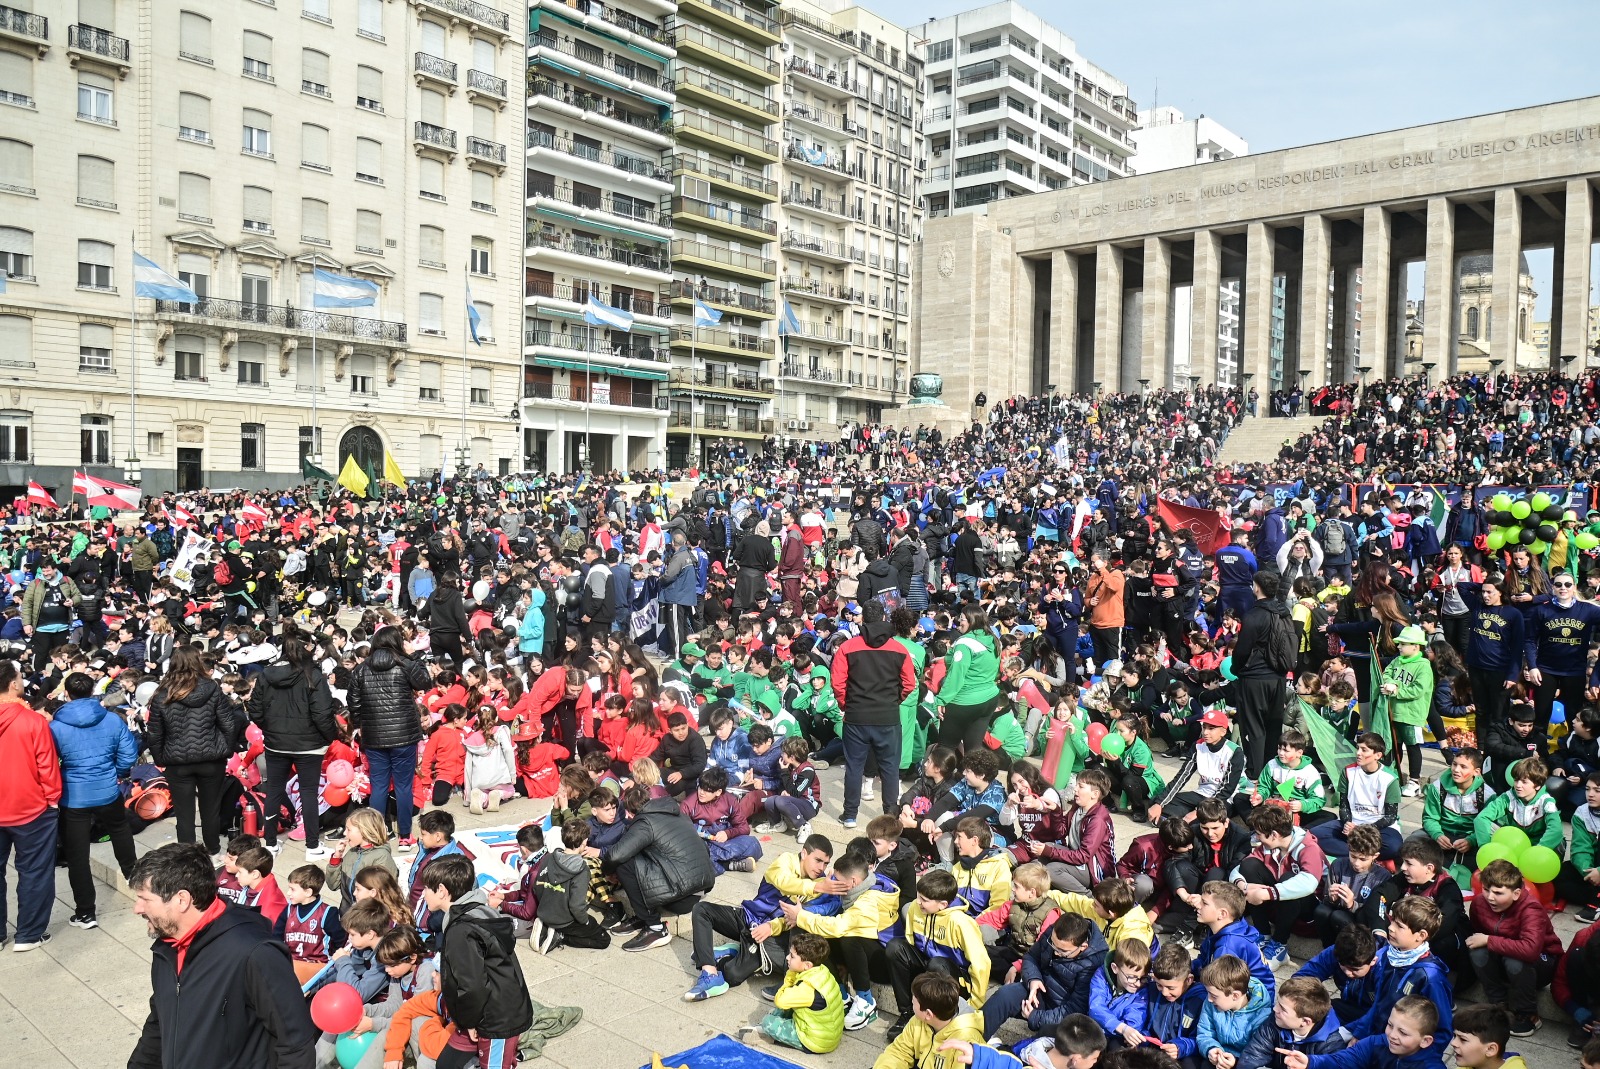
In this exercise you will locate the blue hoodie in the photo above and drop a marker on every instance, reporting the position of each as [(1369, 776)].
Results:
[(1373, 1053), (1112, 1006), (96, 749), (1232, 1030), (1175, 1022), (530, 633), (1427, 977), (1357, 991), (1242, 941), (1262, 1050)]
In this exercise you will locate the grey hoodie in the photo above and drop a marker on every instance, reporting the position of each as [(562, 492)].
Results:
[(563, 886)]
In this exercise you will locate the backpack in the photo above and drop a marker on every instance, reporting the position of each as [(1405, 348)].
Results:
[(572, 542), (1282, 645), (1333, 537), (222, 574)]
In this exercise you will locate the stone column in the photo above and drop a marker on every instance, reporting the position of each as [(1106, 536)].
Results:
[(1255, 348), (1155, 363), (1439, 289), (1507, 277), (1064, 321), (1375, 253), (1108, 317), (1203, 308), (1575, 280), (1313, 351)]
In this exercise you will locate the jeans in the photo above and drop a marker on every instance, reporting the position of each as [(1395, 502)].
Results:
[(791, 810), (204, 778), (1330, 836), (883, 741), (75, 837), (35, 843), (735, 849), (308, 768), (1510, 982), (396, 765)]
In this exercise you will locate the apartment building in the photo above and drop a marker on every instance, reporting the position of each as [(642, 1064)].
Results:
[(852, 170), (1164, 139), (1012, 108), (240, 147)]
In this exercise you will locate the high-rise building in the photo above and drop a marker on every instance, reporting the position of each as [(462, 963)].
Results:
[(1013, 109), (1164, 139), (597, 316), (240, 147), (853, 160)]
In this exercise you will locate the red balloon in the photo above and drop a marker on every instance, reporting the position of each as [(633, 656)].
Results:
[(1095, 733), (340, 773), (335, 795), (336, 1008)]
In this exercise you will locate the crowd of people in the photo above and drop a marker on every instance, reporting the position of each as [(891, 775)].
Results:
[(1002, 635)]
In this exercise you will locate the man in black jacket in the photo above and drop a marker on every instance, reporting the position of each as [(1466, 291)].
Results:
[(1261, 689), (244, 1006), (662, 863)]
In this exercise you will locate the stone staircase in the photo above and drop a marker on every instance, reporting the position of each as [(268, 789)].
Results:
[(1257, 440)]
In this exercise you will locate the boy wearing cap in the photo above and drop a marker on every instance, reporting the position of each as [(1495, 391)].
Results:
[(1408, 682), (690, 654), (1216, 759)]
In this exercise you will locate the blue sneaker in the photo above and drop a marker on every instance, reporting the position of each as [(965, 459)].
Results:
[(1275, 954), (708, 985)]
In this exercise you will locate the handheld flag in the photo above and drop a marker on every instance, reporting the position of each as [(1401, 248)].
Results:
[(1378, 708), (1333, 751), (789, 323), (352, 478), (1209, 527), (705, 315), (340, 291), (309, 470), (179, 516), (598, 314), (39, 497), (391, 470), (150, 281), (104, 493)]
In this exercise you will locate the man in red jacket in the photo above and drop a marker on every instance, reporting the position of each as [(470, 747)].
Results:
[(1513, 947), (871, 675), (31, 772)]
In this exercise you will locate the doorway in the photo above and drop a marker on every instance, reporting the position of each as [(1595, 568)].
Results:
[(190, 465)]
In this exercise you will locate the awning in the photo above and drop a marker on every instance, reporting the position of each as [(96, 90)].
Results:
[(604, 369), (577, 317), (588, 221)]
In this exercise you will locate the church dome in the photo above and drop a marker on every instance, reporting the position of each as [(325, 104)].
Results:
[(1482, 263)]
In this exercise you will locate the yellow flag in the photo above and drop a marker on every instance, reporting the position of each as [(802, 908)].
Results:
[(391, 470), (352, 478)]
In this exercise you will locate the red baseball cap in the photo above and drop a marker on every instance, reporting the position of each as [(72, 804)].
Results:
[(1216, 718)]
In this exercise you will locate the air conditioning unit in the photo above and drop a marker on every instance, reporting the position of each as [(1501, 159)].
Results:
[(805, 425), (738, 159), (793, 424)]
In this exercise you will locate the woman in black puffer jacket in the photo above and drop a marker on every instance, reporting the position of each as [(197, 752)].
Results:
[(293, 707), (193, 728), (383, 707)]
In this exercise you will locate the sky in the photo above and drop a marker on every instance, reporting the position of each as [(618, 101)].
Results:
[(1291, 72)]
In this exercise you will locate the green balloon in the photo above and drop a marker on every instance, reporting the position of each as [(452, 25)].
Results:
[(1492, 852), (1541, 501), (1226, 668), (1521, 509), (1539, 864), (1497, 540), (1587, 541), (1513, 838), (350, 1049), (1113, 745), (1501, 502), (1539, 546)]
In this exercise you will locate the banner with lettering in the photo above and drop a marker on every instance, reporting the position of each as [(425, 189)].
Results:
[(1579, 496)]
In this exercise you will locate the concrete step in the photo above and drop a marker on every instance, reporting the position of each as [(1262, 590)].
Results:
[(1257, 440)]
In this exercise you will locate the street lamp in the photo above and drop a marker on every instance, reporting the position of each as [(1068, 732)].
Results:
[(1144, 386), (130, 468), (1194, 383)]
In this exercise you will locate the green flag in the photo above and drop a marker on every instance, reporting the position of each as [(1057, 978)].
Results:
[(1440, 510), (1378, 707), (309, 470), (1334, 752)]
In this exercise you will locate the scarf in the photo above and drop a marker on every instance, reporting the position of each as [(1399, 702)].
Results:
[(182, 943), (1404, 959)]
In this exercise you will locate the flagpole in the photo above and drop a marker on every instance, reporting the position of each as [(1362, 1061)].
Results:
[(131, 465), (316, 381), (694, 445), (466, 335)]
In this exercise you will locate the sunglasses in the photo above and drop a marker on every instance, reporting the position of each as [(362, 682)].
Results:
[(1565, 583)]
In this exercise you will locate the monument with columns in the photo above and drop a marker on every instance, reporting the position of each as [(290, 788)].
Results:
[(1074, 288)]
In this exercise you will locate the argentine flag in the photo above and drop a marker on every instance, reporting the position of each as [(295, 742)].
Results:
[(603, 315), (789, 323), (338, 291), (150, 281), (705, 315), (474, 317)]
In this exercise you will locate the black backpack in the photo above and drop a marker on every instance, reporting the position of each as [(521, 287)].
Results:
[(1282, 644)]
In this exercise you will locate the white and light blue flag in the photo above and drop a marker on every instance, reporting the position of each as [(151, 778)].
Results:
[(339, 291), (598, 314), (150, 281), (705, 315), (789, 323)]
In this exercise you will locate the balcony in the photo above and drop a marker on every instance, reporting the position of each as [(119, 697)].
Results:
[(685, 379), (590, 249), (727, 177), (97, 45), (738, 425), (590, 106), (428, 68), (283, 319), (490, 152), (820, 248), (486, 86), (725, 137), (582, 394), (482, 14), (648, 83), (26, 27), (734, 18), (728, 220), (427, 137), (728, 342), (621, 161), (698, 45), (822, 160), (614, 21), (694, 255), (628, 300), (620, 347), (794, 369), (588, 204), (820, 291), (829, 334), (700, 87), (829, 80), (813, 202), (684, 294), (834, 124)]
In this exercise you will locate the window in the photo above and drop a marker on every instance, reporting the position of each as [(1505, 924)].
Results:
[(252, 362), (480, 385), (432, 105), (310, 441), (307, 376), (314, 221), (428, 375), (369, 232), (257, 55), (483, 191), (95, 434), (314, 72), (252, 446), (314, 152), (430, 178), (16, 337), (430, 310), (258, 209), (369, 160), (255, 289), (430, 452), (16, 253), (369, 86), (483, 121), (16, 79), (194, 118), (16, 432), (1472, 323), (369, 19), (482, 258), (194, 197), (155, 443), (433, 38), (194, 271), (1522, 325), (257, 133), (16, 166), (189, 358), (318, 10), (94, 346), (361, 371), (485, 320), (484, 54), (96, 182), (95, 98), (430, 246), (94, 267), (194, 37)]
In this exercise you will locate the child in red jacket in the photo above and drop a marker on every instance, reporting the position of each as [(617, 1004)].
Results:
[(1087, 853), (613, 723), (640, 738), (1513, 947), (537, 772), (444, 760)]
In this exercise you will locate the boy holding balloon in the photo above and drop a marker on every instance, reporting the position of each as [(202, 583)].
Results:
[(1527, 808)]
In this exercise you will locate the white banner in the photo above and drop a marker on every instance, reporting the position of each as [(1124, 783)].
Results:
[(194, 552), (495, 855)]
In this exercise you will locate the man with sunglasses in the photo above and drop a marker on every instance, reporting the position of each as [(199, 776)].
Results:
[(1560, 633)]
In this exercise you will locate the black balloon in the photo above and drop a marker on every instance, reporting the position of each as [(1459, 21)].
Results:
[(1553, 515), (1503, 519), (1528, 536), (1547, 532)]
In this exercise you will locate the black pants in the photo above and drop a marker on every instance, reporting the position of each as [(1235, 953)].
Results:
[(1278, 918), (1512, 983), (1577, 891), (1107, 645), (1130, 782), (865, 961), (711, 919), (628, 876), (75, 831), (1455, 630), (447, 644), (45, 641), (906, 963), (585, 934), (205, 779), (280, 766), (1260, 719), (1567, 689), (141, 584), (1184, 803), (964, 726), (1488, 699)]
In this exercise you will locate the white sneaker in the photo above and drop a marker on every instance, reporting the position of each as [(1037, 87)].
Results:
[(866, 791), (23, 948), (860, 1014), (316, 853), (803, 832), (473, 804), (1412, 790)]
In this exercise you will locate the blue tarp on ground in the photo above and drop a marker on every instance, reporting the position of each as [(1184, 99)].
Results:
[(721, 1052)]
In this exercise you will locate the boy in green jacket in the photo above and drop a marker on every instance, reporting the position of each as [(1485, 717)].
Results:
[(1292, 778), (1579, 880), (1451, 805), (1408, 681), (1527, 805), (810, 1006)]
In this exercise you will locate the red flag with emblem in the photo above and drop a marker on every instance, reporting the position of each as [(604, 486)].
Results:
[(1209, 526)]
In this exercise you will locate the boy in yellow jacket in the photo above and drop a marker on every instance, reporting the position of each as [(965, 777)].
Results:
[(1481, 1035), (859, 935), (1114, 909), (935, 998), (982, 870), (810, 1007), (940, 937)]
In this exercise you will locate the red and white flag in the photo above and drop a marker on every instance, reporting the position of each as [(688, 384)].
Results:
[(255, 513), (80, 483), (103, 493), (39, 497), (180, 516), (1210, 527)]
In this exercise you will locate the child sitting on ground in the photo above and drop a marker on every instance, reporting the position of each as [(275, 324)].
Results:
[(1236, 1005), (1351, 963), (1527, 806), (521, 903), (436, 832), (366, 843), (1291, 779), (932, 1019), (810, 1008), (1421, 871), (717, 817), (1087, 854), (309, 926), (1070, 955), (1579, 879), (1221, 911), (1371, 797), (799, 794), (260, 891), (1406, 966), (982, 870), (356, 963), (1173, 1004), (1018, 922), (563, 889), (1302, 1020), (1111, 906), (1409, 1040), (1481, 1035), (1513, 948), (1117, 998), (228, 887), (1351, 881)]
